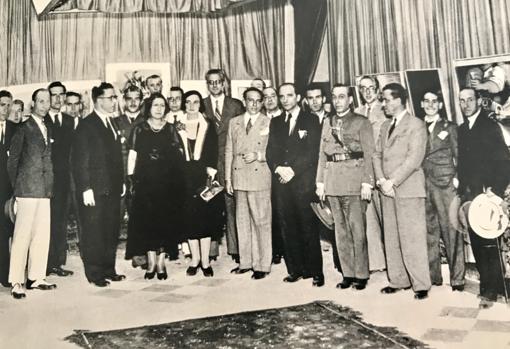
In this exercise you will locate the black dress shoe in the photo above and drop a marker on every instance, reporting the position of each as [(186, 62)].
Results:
[(239, 270), (162, 276), (292, 278), (235, 258), (346, 283), (437, 283), (6, 284), (208, 272), (116, 277), (360, 284), (421, 294), (191, 270), (257, 275), (42, 285), (213, 258), (459, 288), (277, 259), (59, 271), (100, 283), (318, 281), (390, 290), (149, 275)]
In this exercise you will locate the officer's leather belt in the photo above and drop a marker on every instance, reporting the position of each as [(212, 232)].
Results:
[(345, 156)]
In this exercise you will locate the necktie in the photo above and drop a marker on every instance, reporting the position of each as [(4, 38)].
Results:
[(2, 132), (392, 127), (217, 113), (428, 125), (369, 109), (287, 122), (110, 126), (175, 119), (57, 121), (248, 126)]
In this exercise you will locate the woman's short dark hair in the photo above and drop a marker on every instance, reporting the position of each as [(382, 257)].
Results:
[(191, 93), (151, 99)]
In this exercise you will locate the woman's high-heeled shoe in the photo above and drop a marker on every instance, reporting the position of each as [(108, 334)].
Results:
[(162, 276), (192, 270), (149, 275), (208, 272), (160, 265)]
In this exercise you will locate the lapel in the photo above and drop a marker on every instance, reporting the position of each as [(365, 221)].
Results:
[(34, 128), (399, 128), (103, 131), (203, 125)]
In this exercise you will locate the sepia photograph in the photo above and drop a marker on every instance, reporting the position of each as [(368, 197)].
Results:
[(243, 174)]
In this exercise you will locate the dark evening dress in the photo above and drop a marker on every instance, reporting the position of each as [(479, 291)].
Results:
[(159, 191), (203, 219)]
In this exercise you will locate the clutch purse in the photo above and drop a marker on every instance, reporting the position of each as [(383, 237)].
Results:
[(212, 188)]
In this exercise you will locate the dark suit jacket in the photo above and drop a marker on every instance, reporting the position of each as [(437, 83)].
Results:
[(301, 154), (5, 183), (125, 127), (61, 149), (97, 158), (484, 158), (29, 165), (440, 163), (231, 107)]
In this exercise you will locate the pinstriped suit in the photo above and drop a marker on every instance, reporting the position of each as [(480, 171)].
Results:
[(252, 190)]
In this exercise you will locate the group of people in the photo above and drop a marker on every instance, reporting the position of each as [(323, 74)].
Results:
[(387, 176)]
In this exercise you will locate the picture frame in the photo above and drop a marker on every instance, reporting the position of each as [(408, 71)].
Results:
[(118, 74), (197, 85)]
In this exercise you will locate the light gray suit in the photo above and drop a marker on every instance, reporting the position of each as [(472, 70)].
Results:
[(252, 190), (399, 157)]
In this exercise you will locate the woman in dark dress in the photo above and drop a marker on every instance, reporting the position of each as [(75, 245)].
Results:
[(202, 219), (155, 163)]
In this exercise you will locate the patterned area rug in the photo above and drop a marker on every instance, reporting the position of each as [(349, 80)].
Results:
[(313, 325)]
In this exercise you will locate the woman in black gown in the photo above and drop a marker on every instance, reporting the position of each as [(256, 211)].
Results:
[(202, 219), (155, 162)]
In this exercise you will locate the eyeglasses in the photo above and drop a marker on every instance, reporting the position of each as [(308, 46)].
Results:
[(214, 82), (368, 89), (111, 98)]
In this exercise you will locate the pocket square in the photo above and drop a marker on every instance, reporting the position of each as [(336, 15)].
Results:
[(302, 133), (442, 135)]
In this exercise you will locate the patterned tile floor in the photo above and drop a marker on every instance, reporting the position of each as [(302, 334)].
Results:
[(43, 319)]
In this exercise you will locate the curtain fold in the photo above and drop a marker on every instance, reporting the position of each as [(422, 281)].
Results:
[(374, 36), (310, 29), (247, 42)]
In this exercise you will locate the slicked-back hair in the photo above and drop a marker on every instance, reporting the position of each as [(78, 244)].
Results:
[(315, 86), (191, 93), (437, 93), (133, 88), (287, 84), (349, 90), (19, 102), (216, 71), (262, 81), (73, 94), (36, 92), (371, 77), (252, 89), (177, 88), (397, 91), (98, 91), (5, 93), (56, 84), (477, 93), (153, 76)]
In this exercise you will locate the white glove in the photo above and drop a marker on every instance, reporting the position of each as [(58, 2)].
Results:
[(88, 198)]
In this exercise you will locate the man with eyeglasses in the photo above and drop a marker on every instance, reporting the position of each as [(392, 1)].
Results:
[(248, 179), (219, 109), (372, 109), (7, 129), (98, 172), (62, 127), (175, 115)]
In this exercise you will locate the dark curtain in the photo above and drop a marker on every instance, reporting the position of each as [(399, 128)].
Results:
[(310, 29), (247, 41)]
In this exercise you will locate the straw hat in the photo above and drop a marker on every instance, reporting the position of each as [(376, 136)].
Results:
[(486, 216), (323, 212)]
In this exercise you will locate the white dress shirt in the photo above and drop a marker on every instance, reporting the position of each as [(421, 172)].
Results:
[(294, 114), (39, 121), (472, 119), (221, 100)]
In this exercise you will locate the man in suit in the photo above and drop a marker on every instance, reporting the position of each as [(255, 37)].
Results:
[(62, 129), (397, 164), (292, 155), (175, 114), (154, 84), (17, 109), (345, 178), (132, 116), (372, 109), (97, 166), (248, 178), (440, 168), (219, 109), (484, 165), (74, 107), (7, 129), (272, 110), (31, 172)]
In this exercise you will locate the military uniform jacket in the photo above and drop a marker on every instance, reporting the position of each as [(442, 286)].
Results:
[(440, 163), (345, 177), (256, 175)]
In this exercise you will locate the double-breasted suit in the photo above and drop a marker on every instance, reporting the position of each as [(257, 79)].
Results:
[(31, 173), (6, 226), (399, 157), (345, 162), (62, 130), (375, 114), (97, 165), (440, 167), (231, 108), (252, 189), (299, 151), (484, 162)]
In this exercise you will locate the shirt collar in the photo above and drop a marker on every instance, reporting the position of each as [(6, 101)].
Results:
[(399, 116), (220, 99), (248, 116), (103, 116), (343, 114), (472, 118), (294, 113), (432, 118), (131, 115)]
